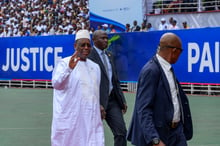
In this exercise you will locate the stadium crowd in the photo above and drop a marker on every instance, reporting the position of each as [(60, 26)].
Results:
[(42, 17), (57, 17)]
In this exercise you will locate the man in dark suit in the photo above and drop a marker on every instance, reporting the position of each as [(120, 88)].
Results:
[(112, 101), (135, 26), (161, 114)]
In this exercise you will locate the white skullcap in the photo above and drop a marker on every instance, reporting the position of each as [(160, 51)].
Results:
[(82, 33), (163, 19), (105, 25)]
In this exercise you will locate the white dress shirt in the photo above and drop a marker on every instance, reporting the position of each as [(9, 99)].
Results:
[(166, 68), (109, 67)]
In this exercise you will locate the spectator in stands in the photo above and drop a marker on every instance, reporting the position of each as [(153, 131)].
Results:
[(112, 28), (99, 27), (1, 31), (127, 27), (76, 108), (170, 22), (135, 26), (163, 25), (185, 25), (105, 28), (91, 30), (143, 26), (174, 25), (42, 14), (149, 27), (161, 114), (174, 6)]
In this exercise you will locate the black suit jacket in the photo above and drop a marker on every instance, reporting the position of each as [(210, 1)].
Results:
[(154, 109), (104, 86)]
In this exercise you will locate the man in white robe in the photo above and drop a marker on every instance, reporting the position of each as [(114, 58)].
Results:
[(76, 108)]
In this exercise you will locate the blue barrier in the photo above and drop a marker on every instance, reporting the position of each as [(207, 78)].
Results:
[(35, 57)]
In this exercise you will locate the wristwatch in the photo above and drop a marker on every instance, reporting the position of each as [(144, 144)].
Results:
[(155, 141)]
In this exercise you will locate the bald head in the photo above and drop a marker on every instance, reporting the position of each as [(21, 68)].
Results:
[(170, 47), (169, 39)]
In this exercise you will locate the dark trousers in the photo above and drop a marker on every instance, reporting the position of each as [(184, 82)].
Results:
[(176, 137), (115, 121)]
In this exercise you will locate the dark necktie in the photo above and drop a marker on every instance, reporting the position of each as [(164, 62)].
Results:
[(104, 61), (178, 94)]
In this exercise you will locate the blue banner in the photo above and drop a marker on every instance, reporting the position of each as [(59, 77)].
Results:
[(35, 57), (198, 63), (32, 57)]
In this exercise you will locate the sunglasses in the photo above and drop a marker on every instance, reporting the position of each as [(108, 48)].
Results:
[(181, 49)]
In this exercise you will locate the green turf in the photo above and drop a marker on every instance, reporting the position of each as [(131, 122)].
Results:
[(25, 118)]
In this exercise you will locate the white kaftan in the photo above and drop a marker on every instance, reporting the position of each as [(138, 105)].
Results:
[(76, 109)]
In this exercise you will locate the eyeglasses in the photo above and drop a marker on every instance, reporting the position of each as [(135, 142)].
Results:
[(85, 45), (181, 49)]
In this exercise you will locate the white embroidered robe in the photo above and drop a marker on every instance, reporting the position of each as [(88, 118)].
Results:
[(76, 109)]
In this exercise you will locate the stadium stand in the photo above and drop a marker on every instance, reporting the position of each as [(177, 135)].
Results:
[(42, 17), (179, 6)]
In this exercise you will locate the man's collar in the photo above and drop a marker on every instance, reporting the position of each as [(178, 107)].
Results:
[(163, 62)]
